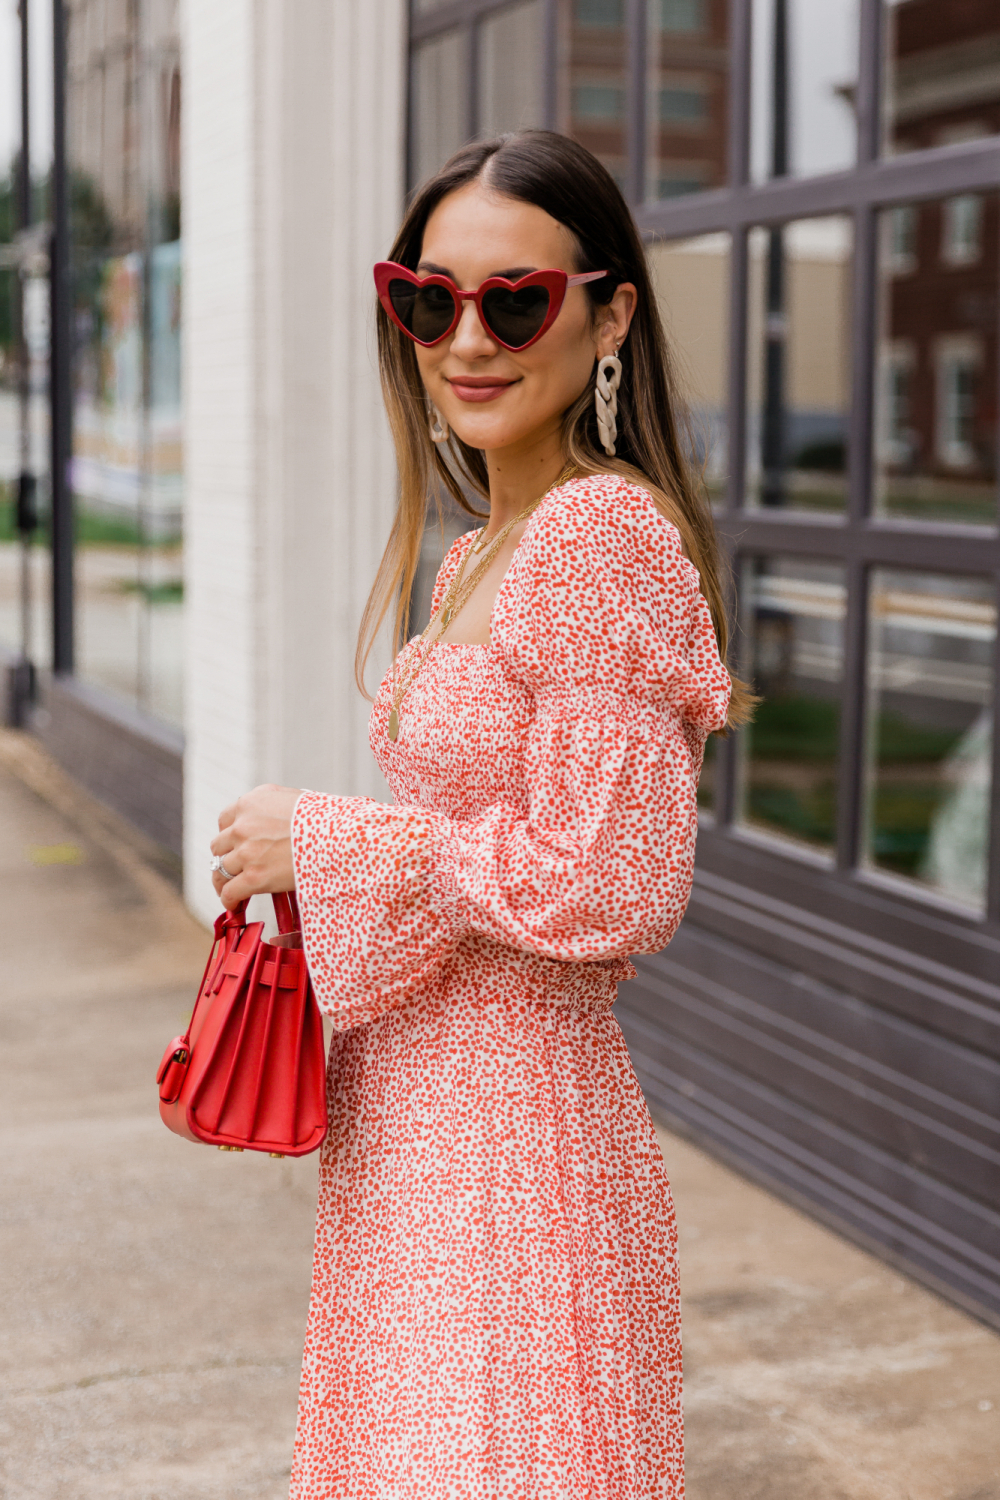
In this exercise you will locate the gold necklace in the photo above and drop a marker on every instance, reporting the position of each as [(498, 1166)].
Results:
[(457, 594)]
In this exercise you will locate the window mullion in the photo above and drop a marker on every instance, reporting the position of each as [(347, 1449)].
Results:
[(635, 93), (550, 64), (868, 98), (738, 151), (472, 101)]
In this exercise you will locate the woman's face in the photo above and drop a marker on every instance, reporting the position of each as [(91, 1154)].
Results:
[(492, 397)]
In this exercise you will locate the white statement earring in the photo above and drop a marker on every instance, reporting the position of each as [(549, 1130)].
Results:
[(609, 377), (440, 431)]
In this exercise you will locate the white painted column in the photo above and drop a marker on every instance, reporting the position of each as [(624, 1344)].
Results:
[(292, 188)]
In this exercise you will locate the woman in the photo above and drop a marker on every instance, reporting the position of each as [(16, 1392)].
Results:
[(495, 1299)]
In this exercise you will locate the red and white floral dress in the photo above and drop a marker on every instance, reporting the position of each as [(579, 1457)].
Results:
[(495, 1310)]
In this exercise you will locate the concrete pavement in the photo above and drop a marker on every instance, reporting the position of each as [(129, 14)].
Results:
[(153, 1293)]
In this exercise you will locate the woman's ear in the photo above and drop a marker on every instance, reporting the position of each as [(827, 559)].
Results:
[(614, 320)]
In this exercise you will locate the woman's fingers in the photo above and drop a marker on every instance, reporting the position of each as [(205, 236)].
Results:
[(223, 843), (228, 815), (254, 843), (240, 888)]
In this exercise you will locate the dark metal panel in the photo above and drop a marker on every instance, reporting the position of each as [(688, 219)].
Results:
[(933, 1232), (935, 966), (907, 1091)]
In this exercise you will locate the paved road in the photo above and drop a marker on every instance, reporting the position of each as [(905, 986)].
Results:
[(153, 1293)]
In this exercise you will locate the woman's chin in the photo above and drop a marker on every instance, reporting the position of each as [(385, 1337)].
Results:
[(489, 431)]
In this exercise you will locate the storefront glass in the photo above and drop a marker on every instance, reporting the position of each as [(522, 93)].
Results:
[(799, 367), (687, 96), (942, 73), (793, 615), (805, 68), (127, 469), (936, 402), (932, 644)]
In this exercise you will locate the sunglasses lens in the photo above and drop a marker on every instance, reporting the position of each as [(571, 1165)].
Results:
[(426, 312), (515, 317)]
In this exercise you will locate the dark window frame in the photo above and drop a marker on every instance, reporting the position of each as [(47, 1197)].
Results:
[(857, 538)]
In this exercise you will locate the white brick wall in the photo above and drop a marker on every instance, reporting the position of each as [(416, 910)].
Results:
[(292, 187)]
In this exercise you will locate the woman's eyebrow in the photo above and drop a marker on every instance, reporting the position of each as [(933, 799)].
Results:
[(512, 273)]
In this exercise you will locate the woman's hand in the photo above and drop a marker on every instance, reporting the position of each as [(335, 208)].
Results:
[(255, 843)]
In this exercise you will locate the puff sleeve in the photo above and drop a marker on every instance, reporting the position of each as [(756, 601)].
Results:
[(602, 620)]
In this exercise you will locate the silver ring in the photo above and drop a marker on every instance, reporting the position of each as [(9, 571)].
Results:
[(217, 866)]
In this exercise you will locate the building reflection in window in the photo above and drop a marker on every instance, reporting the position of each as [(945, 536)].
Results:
[(932, 640), (438, 90), (127, 469), (935, 447), (793, 614), (943, 73), (799, 366), (687, 96), (691, 278), (510, 69), (805, 63), (593, 100)]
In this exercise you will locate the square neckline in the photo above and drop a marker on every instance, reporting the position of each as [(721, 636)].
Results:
[(488, 645)]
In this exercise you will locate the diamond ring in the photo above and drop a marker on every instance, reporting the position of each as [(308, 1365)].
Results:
[(217, 866)]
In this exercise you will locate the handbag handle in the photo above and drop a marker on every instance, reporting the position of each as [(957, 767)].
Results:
[(286, 912)]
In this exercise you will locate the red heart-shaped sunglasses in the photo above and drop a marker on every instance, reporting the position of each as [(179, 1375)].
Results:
[(515, 313)]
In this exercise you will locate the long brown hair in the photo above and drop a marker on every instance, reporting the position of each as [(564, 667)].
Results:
[(555, 174)]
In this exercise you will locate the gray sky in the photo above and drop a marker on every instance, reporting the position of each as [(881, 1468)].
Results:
[(40, 13)]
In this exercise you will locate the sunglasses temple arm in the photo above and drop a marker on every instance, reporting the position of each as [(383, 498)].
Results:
[(584, 277)]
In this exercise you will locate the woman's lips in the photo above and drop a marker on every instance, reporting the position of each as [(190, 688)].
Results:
[(479, 388)]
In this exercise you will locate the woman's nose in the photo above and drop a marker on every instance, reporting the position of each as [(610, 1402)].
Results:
[(470, 339)]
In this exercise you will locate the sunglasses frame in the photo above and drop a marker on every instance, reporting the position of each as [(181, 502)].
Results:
[(554, 282)]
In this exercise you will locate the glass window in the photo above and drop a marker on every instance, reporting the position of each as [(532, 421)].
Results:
[(931, 652), (805, 67), (680, 17), (691, 278), (593, 93), (687, 97), (605, 14), (793, 619), (936, 402), (962, 226), (438, 91), (598, 101), (127, 466), (510, 69), (799, 364), (942, 74)]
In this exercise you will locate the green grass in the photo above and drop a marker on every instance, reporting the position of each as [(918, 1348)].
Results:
[(807, 815), (91, 529), (171, 591), (901, 824), (795, 728)]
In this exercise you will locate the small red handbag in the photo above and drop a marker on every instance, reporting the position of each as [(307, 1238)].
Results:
[(249, 1074)]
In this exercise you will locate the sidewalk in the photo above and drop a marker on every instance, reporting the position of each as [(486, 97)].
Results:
[(153, 1293)]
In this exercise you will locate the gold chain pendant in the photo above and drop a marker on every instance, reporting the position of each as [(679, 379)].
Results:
[(393, 725)]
